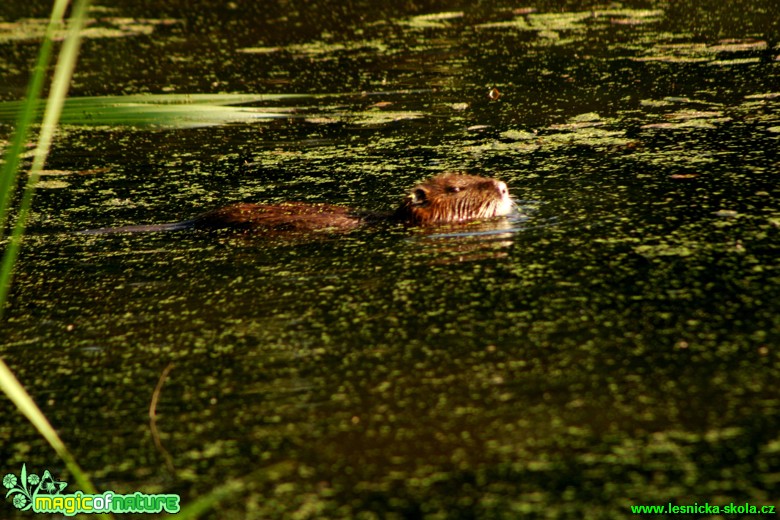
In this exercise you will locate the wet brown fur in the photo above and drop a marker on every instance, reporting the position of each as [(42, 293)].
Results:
[(451, 198), (288, 216)]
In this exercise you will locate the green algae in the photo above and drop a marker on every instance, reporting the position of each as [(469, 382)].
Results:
[(699, 52), (32, 29), (432, 21), (548, 25)]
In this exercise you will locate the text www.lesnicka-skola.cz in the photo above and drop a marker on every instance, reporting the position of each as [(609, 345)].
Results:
[(705, 509)]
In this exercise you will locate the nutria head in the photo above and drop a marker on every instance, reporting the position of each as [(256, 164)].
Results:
[(452, 198)]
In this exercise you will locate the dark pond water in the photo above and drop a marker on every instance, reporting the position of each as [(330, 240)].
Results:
[(616, 345)]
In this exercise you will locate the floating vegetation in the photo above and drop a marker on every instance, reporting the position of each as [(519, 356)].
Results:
[(518, 135), (768, 95), (320, 48), (33, 29), (738, 46), (577, 133), (565, 28), (381, 117), (737, 61), (665, 249), (698, 52), (260, 50), (690, 118), (431, 21), (580, 121), (552, 23), (52, 185), (586, 136)]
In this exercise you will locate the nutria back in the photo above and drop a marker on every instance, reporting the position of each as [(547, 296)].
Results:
[(284, 217), (452, 198)]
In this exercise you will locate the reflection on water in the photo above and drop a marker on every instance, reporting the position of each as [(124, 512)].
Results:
[(615, 343)]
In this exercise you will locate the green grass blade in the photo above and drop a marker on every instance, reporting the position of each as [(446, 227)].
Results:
[(66, 62), (62, 75), (8, 382), (168, 110), (26, 116), (16, 392)]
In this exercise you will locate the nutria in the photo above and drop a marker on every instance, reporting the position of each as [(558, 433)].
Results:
[(445, 199)]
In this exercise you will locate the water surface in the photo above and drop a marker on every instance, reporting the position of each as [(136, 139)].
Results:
[(616, 345)]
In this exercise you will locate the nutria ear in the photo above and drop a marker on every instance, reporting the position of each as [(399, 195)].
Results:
[(418, 196)]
